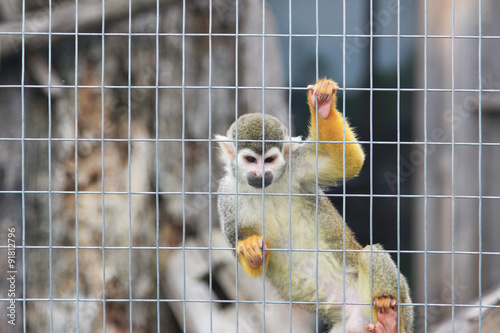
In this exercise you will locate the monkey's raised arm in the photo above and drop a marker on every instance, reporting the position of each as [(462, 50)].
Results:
[(330, 125)]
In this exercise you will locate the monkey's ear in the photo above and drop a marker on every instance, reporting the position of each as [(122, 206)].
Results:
[(226, 146), (291, 148)]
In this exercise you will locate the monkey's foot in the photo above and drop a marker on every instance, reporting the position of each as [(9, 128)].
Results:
[(387, 316), (251, 255), (322, 92)]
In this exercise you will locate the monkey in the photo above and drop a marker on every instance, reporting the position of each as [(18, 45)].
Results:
[(294, 236)]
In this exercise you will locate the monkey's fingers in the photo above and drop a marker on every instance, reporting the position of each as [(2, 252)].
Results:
[(251, 249), (321, 94), (251, 254)]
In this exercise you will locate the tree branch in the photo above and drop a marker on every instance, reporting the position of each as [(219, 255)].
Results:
[(63, 20)]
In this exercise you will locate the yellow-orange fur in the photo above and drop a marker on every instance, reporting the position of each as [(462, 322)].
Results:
[(332, 129)]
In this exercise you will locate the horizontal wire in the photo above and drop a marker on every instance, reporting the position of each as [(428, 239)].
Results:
[(206, 248), (350, 195), (146, 140), (224, 34), (176, 300), (206, 87)]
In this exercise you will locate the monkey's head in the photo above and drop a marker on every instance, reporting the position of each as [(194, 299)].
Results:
[(255, 144)]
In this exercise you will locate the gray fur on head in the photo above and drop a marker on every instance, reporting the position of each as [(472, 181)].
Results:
[(250, 128)]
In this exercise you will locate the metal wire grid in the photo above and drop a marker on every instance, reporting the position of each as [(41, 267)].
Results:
[(24, 138)]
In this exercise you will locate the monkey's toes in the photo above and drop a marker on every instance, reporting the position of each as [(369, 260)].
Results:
[(387, 320)]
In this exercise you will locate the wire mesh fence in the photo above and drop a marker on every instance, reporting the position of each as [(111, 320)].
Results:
[(109, 168)]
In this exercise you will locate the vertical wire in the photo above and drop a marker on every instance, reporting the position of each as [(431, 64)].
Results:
[(129, 162), (344, 85), (453, 165), (157, 164), (344, 192), (398, 159), (480, 177), (23, 153), (77, 242), (103, 203), (263, 165), (236, 101), (426, 307), (49, 164), (183, 153), (290, 91), (210, 277), (371, 150), (317, 163)]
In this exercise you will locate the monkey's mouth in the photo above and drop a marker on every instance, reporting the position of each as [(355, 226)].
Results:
[(257, 181)]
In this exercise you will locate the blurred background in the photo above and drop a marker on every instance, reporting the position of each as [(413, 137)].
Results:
[(108, 172)]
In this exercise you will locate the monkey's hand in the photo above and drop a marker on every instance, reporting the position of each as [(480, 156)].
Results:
[(387, 321), (322, 93), (251, 255), (328, 124)]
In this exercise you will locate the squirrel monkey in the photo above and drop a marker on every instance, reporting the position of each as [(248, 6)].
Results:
[(262, 161)]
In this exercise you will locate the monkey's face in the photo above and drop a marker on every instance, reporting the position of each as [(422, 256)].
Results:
[(260, 171)]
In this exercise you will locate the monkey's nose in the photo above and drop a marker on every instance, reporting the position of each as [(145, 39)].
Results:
[(256, 181)]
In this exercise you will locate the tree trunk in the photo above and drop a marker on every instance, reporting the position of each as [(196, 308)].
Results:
[(142, 116)]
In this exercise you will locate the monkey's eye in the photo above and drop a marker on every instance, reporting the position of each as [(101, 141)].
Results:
[(270, 159), (250, 159)]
